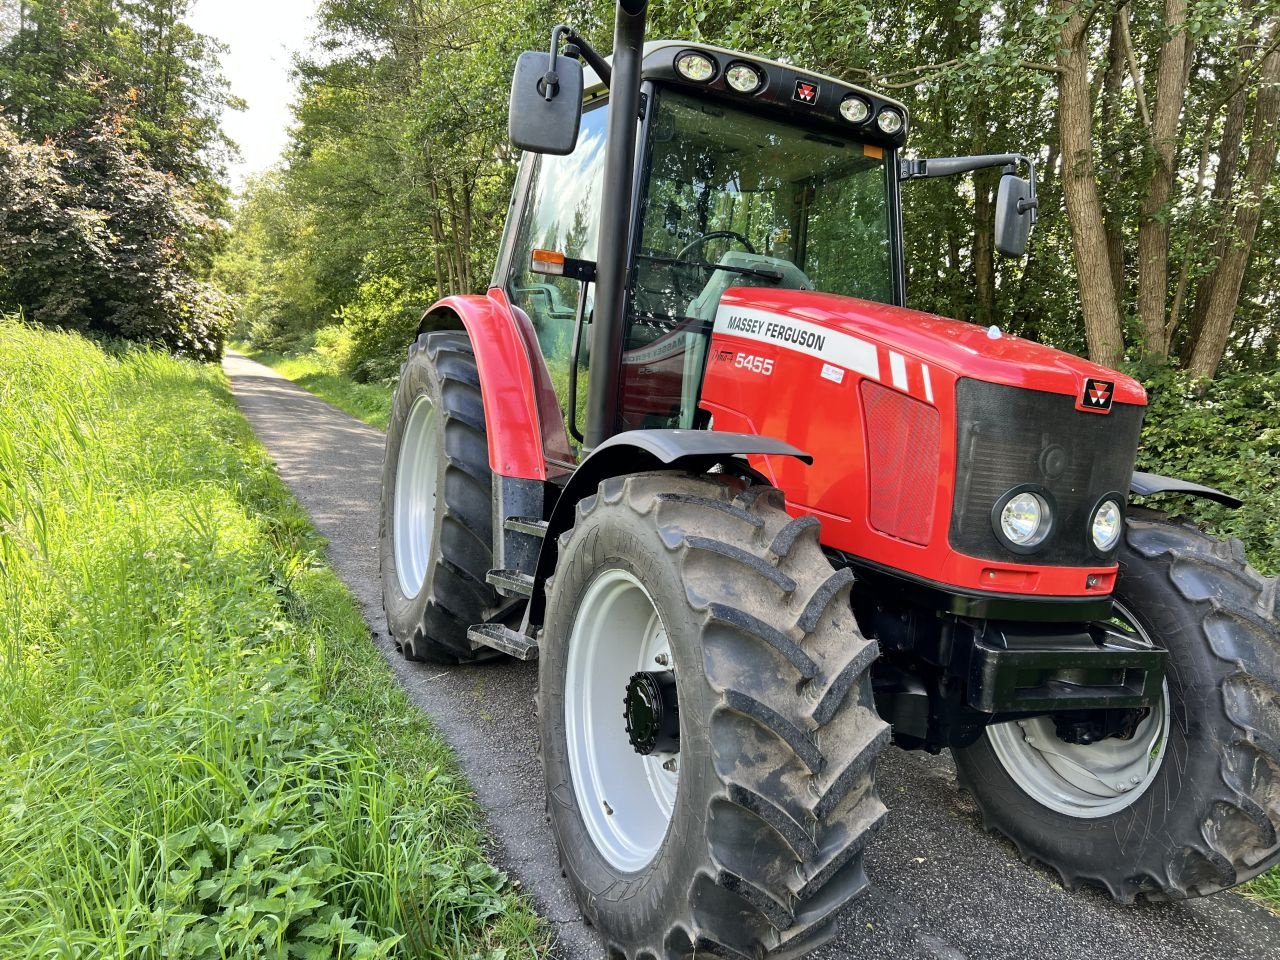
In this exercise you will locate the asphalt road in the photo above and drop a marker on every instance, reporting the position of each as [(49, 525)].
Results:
[(941, 886)]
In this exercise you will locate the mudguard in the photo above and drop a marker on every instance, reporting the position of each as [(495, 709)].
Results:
[(635, 451), (514, 399), (1146, 484)]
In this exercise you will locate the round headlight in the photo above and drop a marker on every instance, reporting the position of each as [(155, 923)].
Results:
[(696, 66), (1108, 520), (1024, 520), (855, 109), (889, 121), (742, 78)]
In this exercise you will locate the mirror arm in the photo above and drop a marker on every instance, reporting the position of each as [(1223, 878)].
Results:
[(950, 166), (550, 81), (578, 48)]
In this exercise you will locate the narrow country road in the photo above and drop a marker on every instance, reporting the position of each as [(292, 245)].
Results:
[(941, 886)]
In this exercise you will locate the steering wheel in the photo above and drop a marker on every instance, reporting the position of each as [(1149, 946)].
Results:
[(712, 235)]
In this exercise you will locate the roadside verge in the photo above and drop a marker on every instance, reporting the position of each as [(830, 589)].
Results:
[(202, 751)]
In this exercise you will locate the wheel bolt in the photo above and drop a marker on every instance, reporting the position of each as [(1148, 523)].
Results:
[(662, 660), (670, 765)]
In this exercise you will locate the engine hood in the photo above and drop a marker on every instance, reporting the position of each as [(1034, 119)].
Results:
[(964, 349)]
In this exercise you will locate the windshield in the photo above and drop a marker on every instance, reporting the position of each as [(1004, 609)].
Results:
[(734, 199)]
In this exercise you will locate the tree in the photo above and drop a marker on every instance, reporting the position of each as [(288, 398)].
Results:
[(92, 237)]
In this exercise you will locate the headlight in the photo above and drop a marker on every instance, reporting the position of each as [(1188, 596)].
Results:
[(889, 121), (854, 109), (1108, 520), (1022, 519), (742, 78), (696, 66)]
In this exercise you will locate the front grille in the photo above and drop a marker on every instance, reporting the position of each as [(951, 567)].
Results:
[(1007, 437)]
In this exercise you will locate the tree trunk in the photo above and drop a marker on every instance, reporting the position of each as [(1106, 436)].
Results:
[(1212, 343), (1153, 226), (1112, 88), (1102, 322), (1224, 181)]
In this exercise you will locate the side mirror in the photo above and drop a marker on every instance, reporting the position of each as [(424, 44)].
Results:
[(538, 122), (1015, 214)]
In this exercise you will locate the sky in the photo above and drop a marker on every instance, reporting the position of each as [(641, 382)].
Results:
[(262, 36)]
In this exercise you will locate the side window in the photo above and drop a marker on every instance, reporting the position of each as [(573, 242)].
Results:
[(562, 212)]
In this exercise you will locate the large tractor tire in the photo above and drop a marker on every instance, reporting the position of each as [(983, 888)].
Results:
[(691, 616), (1190, 804), (436, 536)]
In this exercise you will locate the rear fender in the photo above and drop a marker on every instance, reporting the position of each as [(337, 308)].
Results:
[(638, 451), (519, 403)]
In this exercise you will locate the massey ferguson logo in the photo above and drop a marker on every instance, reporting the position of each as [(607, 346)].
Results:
[(1097, 394), (806, 92)]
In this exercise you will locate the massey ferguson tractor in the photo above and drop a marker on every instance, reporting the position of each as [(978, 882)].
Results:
[(756, 520)]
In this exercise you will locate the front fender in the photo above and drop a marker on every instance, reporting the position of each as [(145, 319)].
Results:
[(1146, 484), (637, 451)]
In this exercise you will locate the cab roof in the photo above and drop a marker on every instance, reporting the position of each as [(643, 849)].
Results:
[(780, 88)]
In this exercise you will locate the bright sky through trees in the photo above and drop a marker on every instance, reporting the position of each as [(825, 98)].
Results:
[(262, 36)]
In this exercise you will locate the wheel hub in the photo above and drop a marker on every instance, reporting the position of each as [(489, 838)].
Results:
[(651, 713)]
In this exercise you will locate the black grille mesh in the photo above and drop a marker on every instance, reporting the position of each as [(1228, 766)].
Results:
[(1007, 436)]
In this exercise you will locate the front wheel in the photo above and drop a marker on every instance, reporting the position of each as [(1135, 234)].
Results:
[(708, 730), (1189, 802)]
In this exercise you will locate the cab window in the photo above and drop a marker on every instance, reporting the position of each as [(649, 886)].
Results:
[(561, 212)]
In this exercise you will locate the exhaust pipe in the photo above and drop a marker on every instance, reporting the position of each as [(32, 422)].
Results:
[(614, 251)]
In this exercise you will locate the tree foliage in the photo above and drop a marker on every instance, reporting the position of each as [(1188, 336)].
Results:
[(110, 166), (1152, 125), (92, 237)]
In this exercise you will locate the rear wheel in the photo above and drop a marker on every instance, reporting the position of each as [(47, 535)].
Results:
[(1190, 804), (708, 731), (436, 529)]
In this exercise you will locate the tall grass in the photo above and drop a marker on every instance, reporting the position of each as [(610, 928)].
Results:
[(202, 755)]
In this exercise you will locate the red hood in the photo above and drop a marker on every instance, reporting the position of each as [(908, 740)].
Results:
[(963, 348)]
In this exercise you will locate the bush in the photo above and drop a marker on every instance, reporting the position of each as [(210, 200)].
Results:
[(92, 237), (1225, 434), (381, 321)]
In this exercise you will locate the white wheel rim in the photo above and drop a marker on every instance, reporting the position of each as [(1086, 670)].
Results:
[(1085, 780), (626, 799), (414, 506)]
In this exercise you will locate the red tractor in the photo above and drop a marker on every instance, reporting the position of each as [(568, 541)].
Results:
[(756, 520)]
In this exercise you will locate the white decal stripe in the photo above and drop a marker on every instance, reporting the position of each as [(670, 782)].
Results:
[(928, 384), (898, 365), (801, 336)]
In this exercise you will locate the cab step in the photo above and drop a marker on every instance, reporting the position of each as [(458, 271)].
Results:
[(511, 642), (511, 582), (530, 525)]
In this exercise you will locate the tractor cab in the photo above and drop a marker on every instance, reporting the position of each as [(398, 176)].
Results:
[(749, 174)]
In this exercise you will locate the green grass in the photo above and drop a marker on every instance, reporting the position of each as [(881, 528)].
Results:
[(317, 372), (1265, 889), (202, 754)]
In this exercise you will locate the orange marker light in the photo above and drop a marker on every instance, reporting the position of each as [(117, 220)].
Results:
[(550, 262)]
